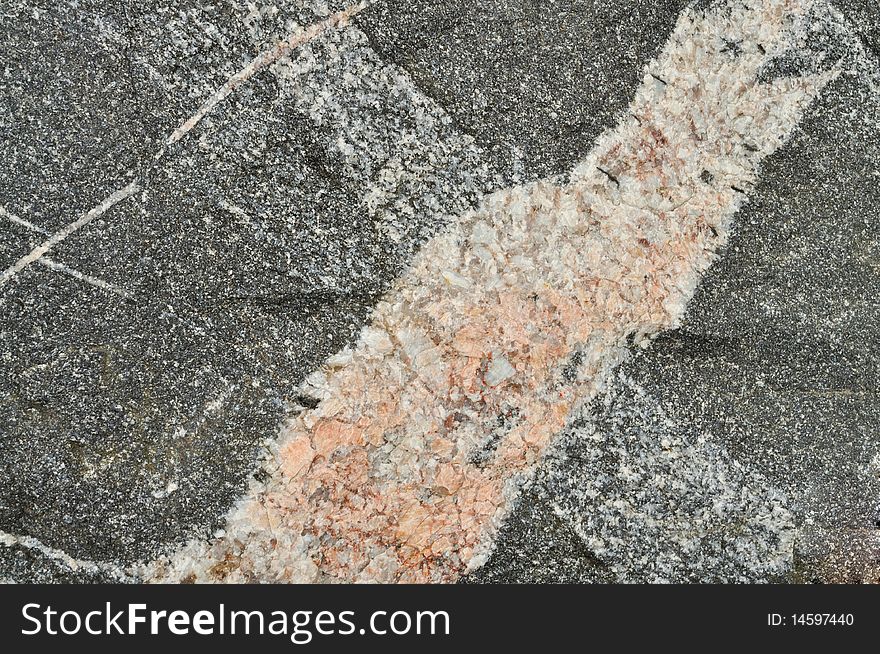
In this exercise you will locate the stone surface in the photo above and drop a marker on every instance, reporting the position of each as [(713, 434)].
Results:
[(249, 257), (533, 82), (643, 496), (146, 365), (776, 362)]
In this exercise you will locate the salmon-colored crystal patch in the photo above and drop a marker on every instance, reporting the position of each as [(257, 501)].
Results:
[(506, 322)]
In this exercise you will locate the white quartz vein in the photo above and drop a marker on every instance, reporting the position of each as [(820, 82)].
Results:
[(22, 222), (264, 59), (427, 427), (91, 280), (31, 543), (61, 267), (61, 235)]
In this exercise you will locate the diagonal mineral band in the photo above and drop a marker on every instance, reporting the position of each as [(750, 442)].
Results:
[(510, 319)]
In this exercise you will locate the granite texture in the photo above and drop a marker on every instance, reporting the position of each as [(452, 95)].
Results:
[(776, 363), (146, 366)]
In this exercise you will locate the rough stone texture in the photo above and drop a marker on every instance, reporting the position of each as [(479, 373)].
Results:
[(864, 16), (127, 425), (426, 427), (533, 82), (779, 359), (249, 258), (642, 496), (776, 363)]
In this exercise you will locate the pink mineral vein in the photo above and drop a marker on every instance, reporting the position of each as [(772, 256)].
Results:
[(429, 425)]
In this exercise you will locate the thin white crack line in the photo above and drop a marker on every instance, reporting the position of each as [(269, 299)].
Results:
[(86, 279), (61, 267), (59, 236), (29, 542), (264, 59), (21, 221)]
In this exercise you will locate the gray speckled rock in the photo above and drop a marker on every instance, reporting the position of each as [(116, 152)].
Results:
[(647, 498), (533, 82), (253, 251), (779, 357), (132, 418), (864, 16), (775, 368), (144, 366)]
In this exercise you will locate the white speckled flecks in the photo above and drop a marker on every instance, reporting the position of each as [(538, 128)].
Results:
[(428, 425)]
